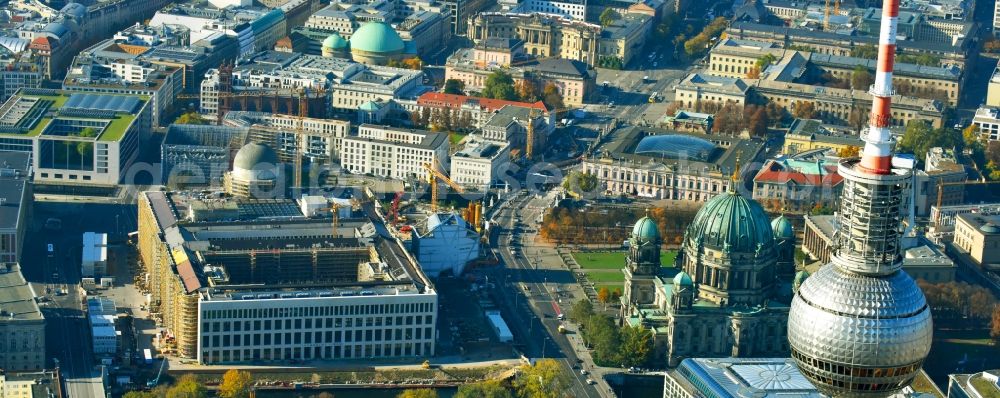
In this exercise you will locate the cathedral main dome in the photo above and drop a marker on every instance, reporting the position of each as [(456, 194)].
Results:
[(731, 222)]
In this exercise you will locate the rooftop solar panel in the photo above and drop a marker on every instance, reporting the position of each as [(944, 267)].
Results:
[(114, 103)]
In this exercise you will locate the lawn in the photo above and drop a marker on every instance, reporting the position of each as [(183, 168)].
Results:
[(598, 276), (455, 138), (116, 129), (615, 260)]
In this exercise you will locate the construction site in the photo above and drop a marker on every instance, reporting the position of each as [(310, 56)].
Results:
[(243, 266)]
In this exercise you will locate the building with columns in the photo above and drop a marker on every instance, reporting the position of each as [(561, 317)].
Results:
[(726, 295)]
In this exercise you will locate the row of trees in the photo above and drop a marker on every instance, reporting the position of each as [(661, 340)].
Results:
[(870, 51), (612, 345), (443, 119), (563, 224), (409, 63), (234, 384), (698, 44), (959, 302), (545, 379)]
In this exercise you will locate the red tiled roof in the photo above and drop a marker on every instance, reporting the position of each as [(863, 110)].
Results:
[(42, 43), (456, 101), (775, 172)]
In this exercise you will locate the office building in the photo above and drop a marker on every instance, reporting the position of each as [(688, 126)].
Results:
[(76, 138), (575, 80), (309, 294), (987, 121), (22, 326), (480, 164), (318, 140), (663, 164), (476, 110), (16, 208), (391, 152)]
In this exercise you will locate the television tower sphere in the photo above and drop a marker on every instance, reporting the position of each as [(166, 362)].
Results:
[(860, 326)]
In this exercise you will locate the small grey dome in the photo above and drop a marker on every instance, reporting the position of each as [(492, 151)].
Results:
[(252, 155)]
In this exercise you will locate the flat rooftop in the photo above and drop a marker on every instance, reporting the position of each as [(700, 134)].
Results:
[(17, 299), (32, 112), (14, 168)]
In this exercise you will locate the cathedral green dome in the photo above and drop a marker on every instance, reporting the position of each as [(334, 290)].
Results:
[(782, 228), (731, 222), (683, 279), (646, 229), (335, 41), (376, 37)]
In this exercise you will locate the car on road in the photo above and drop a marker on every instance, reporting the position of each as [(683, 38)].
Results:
[(584, 372), (591, 381)]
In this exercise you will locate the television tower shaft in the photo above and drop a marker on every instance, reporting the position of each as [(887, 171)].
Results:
[(876, 157)]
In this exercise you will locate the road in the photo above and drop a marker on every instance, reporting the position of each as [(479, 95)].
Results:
[(533, 312), (628, 92)]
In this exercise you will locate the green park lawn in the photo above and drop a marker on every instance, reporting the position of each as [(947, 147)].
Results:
[(599, 276), (615, 260)]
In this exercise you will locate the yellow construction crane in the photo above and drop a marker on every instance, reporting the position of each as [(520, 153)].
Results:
[(299, 152), (826, 16), (433, 176)]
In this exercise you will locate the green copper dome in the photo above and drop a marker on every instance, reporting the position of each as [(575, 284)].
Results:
[(376, 37), (782, 228), (683, 279), (731, 222), (646, 229), (335, 41)]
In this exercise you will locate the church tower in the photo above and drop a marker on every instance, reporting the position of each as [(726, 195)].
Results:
[(642, 265)]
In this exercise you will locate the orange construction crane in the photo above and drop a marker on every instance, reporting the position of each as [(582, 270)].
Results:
[(433, 176)]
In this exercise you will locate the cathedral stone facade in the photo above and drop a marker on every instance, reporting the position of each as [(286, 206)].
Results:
[(728, 293)]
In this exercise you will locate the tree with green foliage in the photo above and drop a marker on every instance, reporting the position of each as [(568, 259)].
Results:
[(637, 346), (483, 389), (552, 97), (866, 51), (454, 86), (187, 387), (609, 16), (581, 311), (579, 182), (920, 137), (418, 393), (698, 44), (544, 379), (603, 335), (764, 61), (191, 118), (861, 78), (610, 62), (922, 59), (140, 394), (499, 85), (235, 384)]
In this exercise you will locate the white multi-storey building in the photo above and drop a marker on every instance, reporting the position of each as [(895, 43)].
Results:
[(371, 322), (576, 10), (393, 152), (987, 119), (320, 139), (480, 163)]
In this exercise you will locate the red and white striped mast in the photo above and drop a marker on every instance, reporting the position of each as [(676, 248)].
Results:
[(877, 155)]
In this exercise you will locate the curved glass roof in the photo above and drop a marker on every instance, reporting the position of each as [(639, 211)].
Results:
[(675, 146)]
